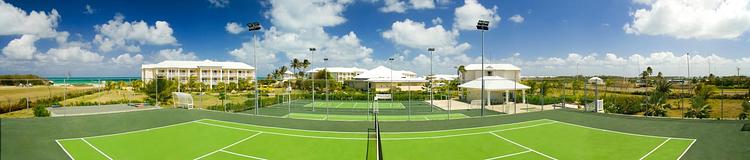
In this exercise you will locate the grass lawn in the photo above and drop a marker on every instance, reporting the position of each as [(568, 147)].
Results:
[(210, 99), (214, 139), (24, 113), (14, 94), (106, 96), (732, 107)]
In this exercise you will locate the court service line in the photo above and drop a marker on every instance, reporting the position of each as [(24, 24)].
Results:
[(230, 145), (522, 146), (632, 134), (248, 156), (508, 155), (686, 149), (655, 148), (97, 149), (66, 151), (136, 131)]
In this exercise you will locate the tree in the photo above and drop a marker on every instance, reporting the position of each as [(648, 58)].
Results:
[(461, 71), (699, 103), (137, 85), (192, 83), (163, 86), (656, 104), (305, 64), (296, 65), (532, 86)]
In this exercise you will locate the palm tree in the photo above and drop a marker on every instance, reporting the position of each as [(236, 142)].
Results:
[(699, 104), (305, 64), (296, 65), (461, 70)]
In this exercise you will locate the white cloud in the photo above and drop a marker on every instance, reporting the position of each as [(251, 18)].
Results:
[(126, 59), (88, 10), (517, 18), (423, 4), (22, 48), (399, 6), (69, 55), (437, 21), (691, 19), (15, 21), (174, 54), (471, 12), (294, 14), (219, 3), (233, 28), (118, 34), (416, 35)]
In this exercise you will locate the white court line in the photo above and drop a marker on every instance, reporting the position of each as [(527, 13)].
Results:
[(230, 145), (340, 103), (406, 138), (686, 149), (522, 146), (97, 149), (632, 134), (66, 151), (508, 155), (136, 131), (253, 157), (657, 147), (458, 129)]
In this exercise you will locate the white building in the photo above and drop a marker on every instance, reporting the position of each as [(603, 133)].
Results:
[(340, 73), (507, 71), (208, 72), (288, 75), (382, 79), (443, 77)]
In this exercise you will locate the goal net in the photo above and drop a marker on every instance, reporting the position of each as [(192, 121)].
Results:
[(182, 100)]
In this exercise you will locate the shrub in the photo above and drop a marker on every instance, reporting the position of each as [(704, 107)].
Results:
[(41, 111)]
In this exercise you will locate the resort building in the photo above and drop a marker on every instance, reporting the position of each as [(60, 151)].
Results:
[(382, 79), (207, 72), (341, 74), (500, 83), (288, 75), (474, 71), (443, 77)]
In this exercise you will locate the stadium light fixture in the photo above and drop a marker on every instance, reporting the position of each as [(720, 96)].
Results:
[(431, 50), (312, 76)]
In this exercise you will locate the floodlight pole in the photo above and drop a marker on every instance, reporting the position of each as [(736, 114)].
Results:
[(325, 62), (255, 26), (482, 25), (431, 50), (312, 77), (391, 86)]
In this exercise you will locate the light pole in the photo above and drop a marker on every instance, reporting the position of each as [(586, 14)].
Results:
[(482, 26), (432, 77), (325, 62), (254, 26), (391, 86), (312, 76)]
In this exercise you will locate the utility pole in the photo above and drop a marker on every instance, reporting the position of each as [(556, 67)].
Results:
[(482, 25)]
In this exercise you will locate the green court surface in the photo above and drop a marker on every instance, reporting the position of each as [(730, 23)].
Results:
[(338, 117), (355, 105), (213, 139)]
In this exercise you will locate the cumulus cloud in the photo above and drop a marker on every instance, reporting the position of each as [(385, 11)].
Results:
[(293, 14), (517, 18), (22, 48), (399, 6), (416, 35), (69, 55), (118, 34), (15, 21), (471, 12), (219, 3), (174, 54), (126, 59), (691, 19), (233, 28)]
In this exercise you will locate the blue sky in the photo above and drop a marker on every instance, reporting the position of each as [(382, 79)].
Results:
[(603, 37)]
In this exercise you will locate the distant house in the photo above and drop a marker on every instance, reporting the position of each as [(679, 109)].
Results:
[(506, 71), (288, 75), (207, 72), (341, 74), (443, 77), (383, 78)]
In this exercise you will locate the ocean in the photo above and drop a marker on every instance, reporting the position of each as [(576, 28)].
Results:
[(88, 80)]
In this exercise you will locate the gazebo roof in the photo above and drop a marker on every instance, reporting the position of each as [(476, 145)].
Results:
[(494, 83)]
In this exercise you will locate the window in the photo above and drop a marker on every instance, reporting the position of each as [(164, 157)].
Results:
[(489, 73)]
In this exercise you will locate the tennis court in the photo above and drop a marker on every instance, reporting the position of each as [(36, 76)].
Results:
[(214, 139), (355, 104), (339, 117)]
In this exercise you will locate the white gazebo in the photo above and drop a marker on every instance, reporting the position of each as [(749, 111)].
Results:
[(494, 83)]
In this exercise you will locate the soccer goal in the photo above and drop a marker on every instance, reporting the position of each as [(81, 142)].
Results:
[(182, 100)]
